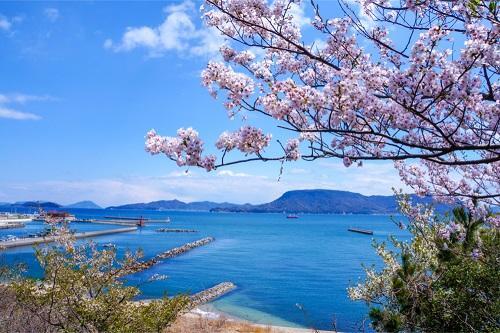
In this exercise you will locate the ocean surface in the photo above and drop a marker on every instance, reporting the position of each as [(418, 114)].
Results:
[(291, 272)]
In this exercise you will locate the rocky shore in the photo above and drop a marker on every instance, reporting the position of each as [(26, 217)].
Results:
[(170, 254)]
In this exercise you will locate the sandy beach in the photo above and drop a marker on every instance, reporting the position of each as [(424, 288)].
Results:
[(213, 321)]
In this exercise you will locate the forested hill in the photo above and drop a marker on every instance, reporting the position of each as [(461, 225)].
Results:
[(300, 201)]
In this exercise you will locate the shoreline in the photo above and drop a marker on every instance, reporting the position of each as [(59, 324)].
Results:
[(210, 313)]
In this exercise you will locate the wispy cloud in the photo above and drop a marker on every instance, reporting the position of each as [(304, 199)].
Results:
[(5, 24), (17, 115), (370, 179), (6, 110), (24, 98), (197, 185), (179, 32), (52, 14)]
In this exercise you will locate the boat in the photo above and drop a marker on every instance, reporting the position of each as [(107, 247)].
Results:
[(361, 231), (292, 216)]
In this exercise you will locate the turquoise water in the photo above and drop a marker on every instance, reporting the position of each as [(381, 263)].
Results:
[(279, 265)]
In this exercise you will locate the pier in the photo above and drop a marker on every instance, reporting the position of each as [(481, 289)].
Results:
[(50, 239), (210, 294), (108, 222), (12, 225), (177, 251), (127, 218), (122, 221), (175, 230)]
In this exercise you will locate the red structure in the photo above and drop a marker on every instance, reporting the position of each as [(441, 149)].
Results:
[(141, 222)]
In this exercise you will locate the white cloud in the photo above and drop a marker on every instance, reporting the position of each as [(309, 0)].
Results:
[(365, 18), (5, 24), (230, 173), (52, 14), (23, 98), (191, 187), (178, 32), (197, 185), (17, 115), (372, 178), (10, 113), (299, 17)]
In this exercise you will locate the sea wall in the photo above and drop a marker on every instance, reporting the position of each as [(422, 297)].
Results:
[(210, 294), (175, 230), (50, 239), (177, 251), (11, 225)]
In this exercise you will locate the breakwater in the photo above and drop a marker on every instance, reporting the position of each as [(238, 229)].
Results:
[(109, 222), (50, 239), (361, 231), (177, 251), (210, 294), (175, 230)]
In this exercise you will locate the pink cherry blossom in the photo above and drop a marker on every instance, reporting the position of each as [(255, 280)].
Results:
[(424, 93)]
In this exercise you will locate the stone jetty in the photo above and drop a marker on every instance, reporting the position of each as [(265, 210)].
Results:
[(175, 230), (141, 266), (210, 294)]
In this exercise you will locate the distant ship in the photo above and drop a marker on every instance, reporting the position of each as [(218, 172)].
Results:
[(292, 216)]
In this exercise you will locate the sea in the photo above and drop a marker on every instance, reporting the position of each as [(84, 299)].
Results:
[(288, 272)]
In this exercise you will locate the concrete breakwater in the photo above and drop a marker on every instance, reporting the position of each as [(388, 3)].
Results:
[(177, 251), (175, 230), (210, 294), (50, 239), (110, 222)]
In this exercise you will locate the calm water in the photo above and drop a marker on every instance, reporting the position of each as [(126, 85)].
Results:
[(277, 263)]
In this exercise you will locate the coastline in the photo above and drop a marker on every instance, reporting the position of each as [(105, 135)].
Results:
[(228, 323)]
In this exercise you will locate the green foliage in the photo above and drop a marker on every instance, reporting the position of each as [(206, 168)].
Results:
[(444, 280), (82, 291)]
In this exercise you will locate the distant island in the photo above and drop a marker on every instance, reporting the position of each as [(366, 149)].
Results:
[(299, 201), (47, 205), (87, 204)]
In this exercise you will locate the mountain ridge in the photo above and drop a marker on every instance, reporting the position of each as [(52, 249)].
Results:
[(317, 201), (85, 204)]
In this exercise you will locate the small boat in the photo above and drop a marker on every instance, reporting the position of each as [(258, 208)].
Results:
[(292, 216), (361, 231)]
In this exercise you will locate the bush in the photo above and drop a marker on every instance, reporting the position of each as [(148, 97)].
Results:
[(444, 280), (82, 290)]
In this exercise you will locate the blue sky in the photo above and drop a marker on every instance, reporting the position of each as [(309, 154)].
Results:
[(82, 82)]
